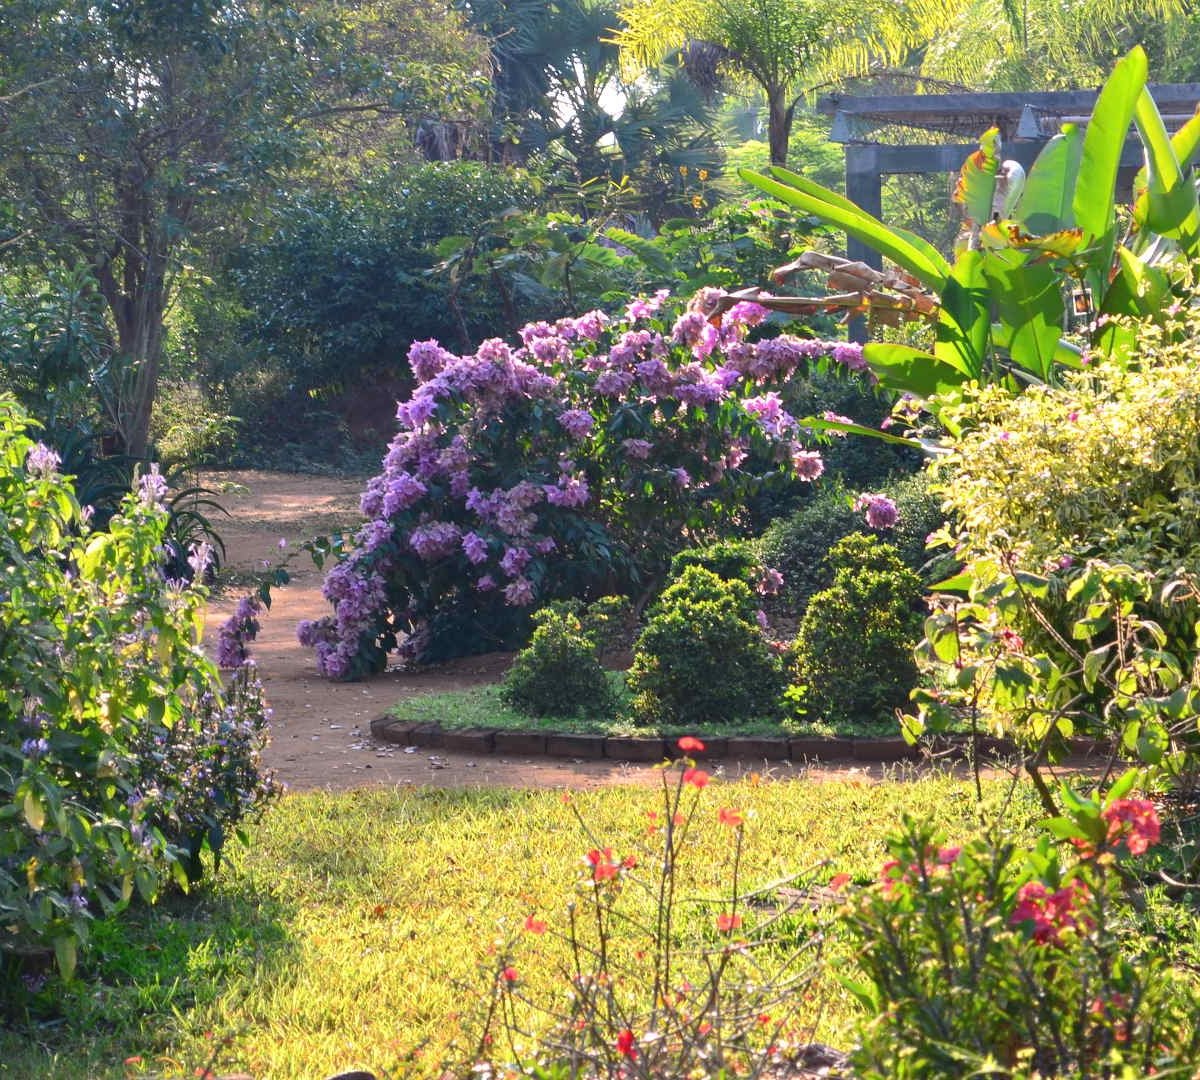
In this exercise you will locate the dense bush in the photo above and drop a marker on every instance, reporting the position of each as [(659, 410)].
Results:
[(731, 560), (1075, 509), (854, 649), (122, 758), (990, 958), (559, 673), (797, 545), (573, 465), (702, 658)]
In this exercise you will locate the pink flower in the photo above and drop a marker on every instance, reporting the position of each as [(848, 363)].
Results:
[(770, 582), (727, 923), (808, 464), (1134, 821), (881, 512), (534, 926), (1051, 913)]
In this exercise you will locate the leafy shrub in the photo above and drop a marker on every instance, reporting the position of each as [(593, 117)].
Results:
[(988, 958), (702, 658), (122, 757), (559, 673), (854, 649), (574, 465), (1075, 513), (797, 546), (730, 560)]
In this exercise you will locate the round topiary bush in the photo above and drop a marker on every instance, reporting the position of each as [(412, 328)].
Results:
[(853, 660), (559, 673), (797, 546), (702, 658)]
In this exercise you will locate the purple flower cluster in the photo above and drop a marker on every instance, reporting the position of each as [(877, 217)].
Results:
[(880, 511), (503, 454), (42, 461), (237, 632)]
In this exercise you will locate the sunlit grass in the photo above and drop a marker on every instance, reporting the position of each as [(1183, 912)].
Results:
[(356, 929)]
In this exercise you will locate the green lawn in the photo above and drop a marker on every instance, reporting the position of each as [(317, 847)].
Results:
[(355, 930), (481, 707)]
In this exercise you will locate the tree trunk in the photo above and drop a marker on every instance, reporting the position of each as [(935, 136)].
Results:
[(779, 126)]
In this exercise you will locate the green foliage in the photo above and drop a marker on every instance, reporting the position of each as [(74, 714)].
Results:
[(559, 673), (730, 560), (797, 545), (1028, 241), (987, 958), (1075, 521), (701, 659), (854, 650), (122, 758)]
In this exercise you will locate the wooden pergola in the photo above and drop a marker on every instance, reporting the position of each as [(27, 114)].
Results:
[(1026, 121)]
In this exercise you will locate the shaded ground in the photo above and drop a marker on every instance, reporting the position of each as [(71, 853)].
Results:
[(320, 731)]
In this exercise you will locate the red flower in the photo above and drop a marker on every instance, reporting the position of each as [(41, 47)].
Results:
[(690, 744), (839, 881), (1051, 913), (603, 866), (509, 975), (696, 777), (625, 1045), (948, 855), (732, 818), (1133, 820), (534, 926), (727, 922)]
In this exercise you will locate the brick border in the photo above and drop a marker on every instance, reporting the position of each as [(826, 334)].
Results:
[(809, 748)]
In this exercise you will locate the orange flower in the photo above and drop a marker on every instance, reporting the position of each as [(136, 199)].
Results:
[(696, 777), (839, 881), (727, 922), (534, 926), (603, 866), (732, 818)]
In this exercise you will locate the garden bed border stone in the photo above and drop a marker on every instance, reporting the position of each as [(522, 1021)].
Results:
[(638, 748)]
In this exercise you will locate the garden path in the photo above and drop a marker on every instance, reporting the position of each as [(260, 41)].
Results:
[(321, 730)]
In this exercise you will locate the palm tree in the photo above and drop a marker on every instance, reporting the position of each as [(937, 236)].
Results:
[(780, 46)]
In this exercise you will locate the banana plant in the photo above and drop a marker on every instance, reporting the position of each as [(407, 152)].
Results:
[(1031, 242)]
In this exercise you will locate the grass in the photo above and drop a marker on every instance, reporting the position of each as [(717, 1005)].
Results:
[(355, 931), (481, 707)]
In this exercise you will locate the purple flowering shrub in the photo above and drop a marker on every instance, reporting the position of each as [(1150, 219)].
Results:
[(573, 464), (122, 757)]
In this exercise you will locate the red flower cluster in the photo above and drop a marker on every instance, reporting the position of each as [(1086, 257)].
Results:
[(604, 866), (1051, 912), (698, 778), (1135, 821), (626, 1045)]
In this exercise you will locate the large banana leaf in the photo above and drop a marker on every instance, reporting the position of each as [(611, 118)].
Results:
[(964, 320), (1094, 198), (1168, 205), (1045, 205), (911, 371), (922, 261), (1028, 296)]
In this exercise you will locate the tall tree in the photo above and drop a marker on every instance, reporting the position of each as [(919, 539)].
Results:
[(779, 46), (130, 129)]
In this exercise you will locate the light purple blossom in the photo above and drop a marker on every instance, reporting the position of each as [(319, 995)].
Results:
[(427, 359), (514, 561), (486, 583), (475, 547), (35, 748), (769, 582), (434, 540), (153, 488), (546, 545), (613, 383), (760, 617), (570, 491), (639, 449), (807, 464), (681, 477), (519, 593), (590, 326), (403, 490), (746, 313), (643, 308), (237, 632), (200, 557), (578, 423), (881, 512), (42, 461), (688, 328)]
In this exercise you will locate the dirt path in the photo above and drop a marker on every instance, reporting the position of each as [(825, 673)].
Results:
[(320, 730)]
